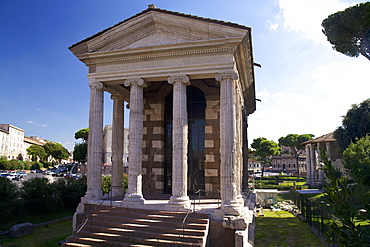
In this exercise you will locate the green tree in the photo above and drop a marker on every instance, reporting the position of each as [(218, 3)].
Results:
[(356, 159), (56, 150), (265, 148), (79, 152), (80, 149), (348, 30), (83, 134), (36, 151), (339, 195), (294, 142), (355, 124)]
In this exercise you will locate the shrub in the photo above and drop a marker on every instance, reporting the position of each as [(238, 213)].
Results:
[(71, 190), (107, 183), (36, 165), (8, 190), (39, 190)]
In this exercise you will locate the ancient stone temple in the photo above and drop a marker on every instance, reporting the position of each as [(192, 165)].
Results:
[(189, 84)]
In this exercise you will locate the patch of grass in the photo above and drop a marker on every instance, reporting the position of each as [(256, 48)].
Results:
[(281, 228), (37, 218), (45, 236)]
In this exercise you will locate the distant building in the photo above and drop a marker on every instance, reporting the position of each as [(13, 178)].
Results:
[(12, 142), (287, 163), (254, 166)]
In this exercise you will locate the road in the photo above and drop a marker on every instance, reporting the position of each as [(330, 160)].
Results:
[(34, 175)]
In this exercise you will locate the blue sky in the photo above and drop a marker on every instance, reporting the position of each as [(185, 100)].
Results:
[(304, 85)]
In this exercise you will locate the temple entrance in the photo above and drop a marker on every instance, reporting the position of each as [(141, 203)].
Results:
[(196, 104)]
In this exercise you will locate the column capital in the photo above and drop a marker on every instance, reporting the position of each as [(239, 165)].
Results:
[(95, 84), (184, 79), (116, 97), (229, 75), (135, 81)]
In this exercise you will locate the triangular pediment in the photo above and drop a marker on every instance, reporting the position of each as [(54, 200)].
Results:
[(158, 28)]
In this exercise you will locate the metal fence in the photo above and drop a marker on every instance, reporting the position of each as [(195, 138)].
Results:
[(13, 212), (313, 212)]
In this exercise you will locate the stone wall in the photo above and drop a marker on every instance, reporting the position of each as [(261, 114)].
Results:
[(153, 139)]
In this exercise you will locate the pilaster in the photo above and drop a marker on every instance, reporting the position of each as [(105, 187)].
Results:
[(179, 198), (134, 192)]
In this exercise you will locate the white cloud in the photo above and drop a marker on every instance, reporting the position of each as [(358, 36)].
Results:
[(37, 124), (306, 16), (273, 27)]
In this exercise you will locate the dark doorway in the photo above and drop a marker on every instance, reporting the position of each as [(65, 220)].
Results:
[(196, 104)]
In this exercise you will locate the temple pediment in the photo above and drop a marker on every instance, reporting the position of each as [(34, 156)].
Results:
[(156, 27)]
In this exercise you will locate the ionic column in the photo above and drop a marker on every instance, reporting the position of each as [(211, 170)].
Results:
[(313, 163), (308, 164), (231, 199), (95, 147), (117, 145), (134, 190), (179, 198)]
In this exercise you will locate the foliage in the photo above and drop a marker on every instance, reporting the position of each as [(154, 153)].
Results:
[(14, 165), (83, 134), (294, 142), (339, 195), (355, 124), (8, 190), (349, 30), (36, 165), (40, 188), (265, 148), (56, 150), (356, 160), (107, 182), (36, 151), (71, 190), (80, 152)]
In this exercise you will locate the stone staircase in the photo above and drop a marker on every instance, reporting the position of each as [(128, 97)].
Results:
[(116, 226)]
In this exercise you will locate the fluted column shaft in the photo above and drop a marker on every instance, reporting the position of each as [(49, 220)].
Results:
[(134, 190), (231, 199), (308, 164), (95, 146), (313, 163), (117, 145), (179, 142)]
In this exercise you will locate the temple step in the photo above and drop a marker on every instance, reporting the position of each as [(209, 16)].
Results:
[(116, 226)]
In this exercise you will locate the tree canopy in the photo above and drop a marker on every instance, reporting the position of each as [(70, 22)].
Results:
[(83, 134), (56, 150), (265, 148), (36, 151), (357, 160), (79, 152), (349, 30), (355, 124)]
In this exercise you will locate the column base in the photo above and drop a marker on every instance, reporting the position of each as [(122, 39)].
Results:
[(178, 203), (133, 199), (233, 208)]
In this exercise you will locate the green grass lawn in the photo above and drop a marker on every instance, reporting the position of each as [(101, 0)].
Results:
[(45, 236), (281, 228)]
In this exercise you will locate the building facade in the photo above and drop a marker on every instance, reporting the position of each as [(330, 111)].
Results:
[(12, 142), (288, 164), (189, 83)]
